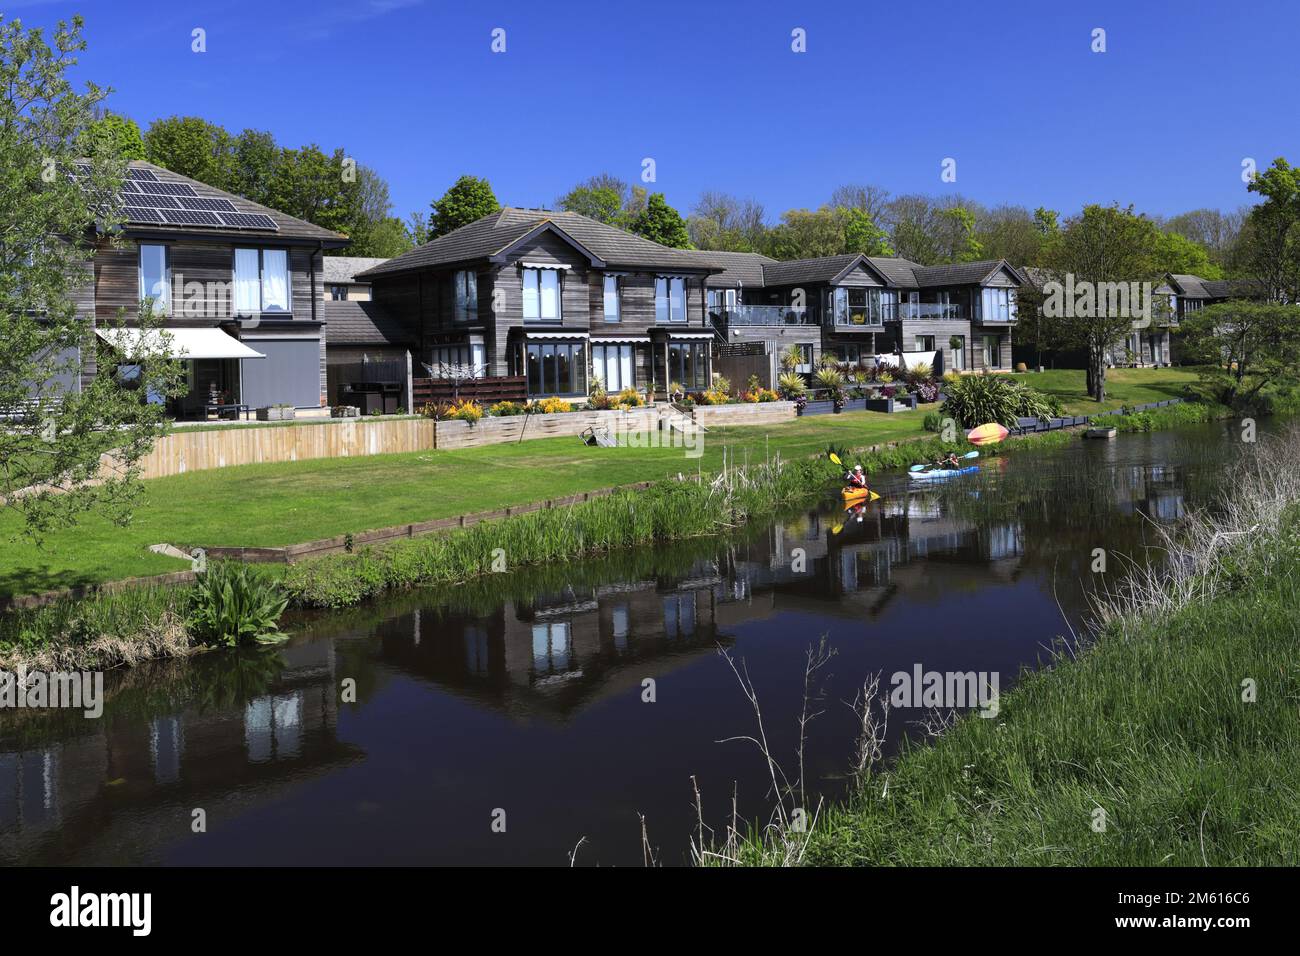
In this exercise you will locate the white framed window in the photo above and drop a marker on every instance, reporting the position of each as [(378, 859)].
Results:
[(612, 310), (613, 365), (262, 281), (542, 295), (465, 286), (992, 352), (156, 277), (670, 299)]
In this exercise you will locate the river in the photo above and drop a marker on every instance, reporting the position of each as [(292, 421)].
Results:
[(510, 721)]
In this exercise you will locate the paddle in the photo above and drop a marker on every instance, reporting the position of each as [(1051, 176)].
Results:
[(836, 458)]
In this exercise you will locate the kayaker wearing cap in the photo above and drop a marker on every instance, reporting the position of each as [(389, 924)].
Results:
[(856, 478), (950, 462)]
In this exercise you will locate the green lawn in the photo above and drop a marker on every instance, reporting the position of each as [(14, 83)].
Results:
[(1124, 386), (269, 505), (272, 505)]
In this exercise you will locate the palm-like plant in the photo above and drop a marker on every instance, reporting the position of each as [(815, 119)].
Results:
[(790, 385)]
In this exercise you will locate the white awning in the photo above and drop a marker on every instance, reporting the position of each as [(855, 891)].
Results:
[(556, 335), (618, 339), (188, 344), (690, 335)]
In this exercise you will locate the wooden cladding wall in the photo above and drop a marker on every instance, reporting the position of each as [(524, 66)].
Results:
[(200, 449), (202, 280)]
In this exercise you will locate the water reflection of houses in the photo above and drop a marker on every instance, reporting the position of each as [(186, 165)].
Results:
[(554, 652), (557, 652), (115, 786), (1155, 491)]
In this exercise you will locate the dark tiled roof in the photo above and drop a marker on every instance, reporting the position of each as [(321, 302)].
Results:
[(343, 269), (290, 228), (363, 323), (1191, 286), (796, 271), (900, 272), (959, 273), (739, 268), (490, 235), (1234, 288)]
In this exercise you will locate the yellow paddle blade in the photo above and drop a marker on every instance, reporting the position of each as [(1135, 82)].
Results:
[(837, 529), (875, 497), (836, 458)]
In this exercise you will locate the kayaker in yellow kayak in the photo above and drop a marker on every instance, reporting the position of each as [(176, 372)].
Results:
[(857, 478)]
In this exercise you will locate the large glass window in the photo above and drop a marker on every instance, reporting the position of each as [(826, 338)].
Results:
[(156, 278), (670, 299), (997, 305), (556, 368), (612, 313), (465, 285), (688, 365), (261, 281), (452, 361), (542, 295), (992, 352), (613, 365)]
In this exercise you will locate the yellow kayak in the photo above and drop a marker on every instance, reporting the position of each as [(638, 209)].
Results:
[(853, 496)]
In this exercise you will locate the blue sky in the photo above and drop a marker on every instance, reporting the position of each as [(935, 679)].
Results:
[(714, 94)]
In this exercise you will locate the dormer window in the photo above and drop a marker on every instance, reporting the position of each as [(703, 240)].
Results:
[(670, 299), (542, 295)]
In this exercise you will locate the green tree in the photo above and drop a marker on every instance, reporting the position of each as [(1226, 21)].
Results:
[(861, 234), (192, 147), (1100, 246), (468, 199), (661, 223), (1243, 348), (723, 222), (54, 432), (112, 135), (1273, 254), (955, 237), (417, 228), (807, 234), (256, 164), (603, 197), (1010, 233), (1182, 256)]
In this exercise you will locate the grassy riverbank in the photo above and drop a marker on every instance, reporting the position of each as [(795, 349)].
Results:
[(1150, 726), (281, 504)]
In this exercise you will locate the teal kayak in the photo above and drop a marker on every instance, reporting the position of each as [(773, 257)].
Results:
[(939, 473)]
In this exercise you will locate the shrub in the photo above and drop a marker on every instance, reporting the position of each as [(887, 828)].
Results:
[(920, 371), (503, 409), (791, 385), (720, 384), (932, 422), (466, 410), (435, 410), (829, 379), (928, 391), (232, 605), (629, 398), (976, 399), (550, 406)]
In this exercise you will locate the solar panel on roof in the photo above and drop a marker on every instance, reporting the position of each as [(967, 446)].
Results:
[(189, 217), (244, 220), (211, 205), (157, 202), (142, 175), (166, 189), (140, 214)]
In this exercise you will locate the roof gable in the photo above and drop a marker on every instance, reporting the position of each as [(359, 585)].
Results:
[(546, 226)]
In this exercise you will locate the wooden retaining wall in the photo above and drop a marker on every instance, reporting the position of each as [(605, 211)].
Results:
[(495, 431), (199, 449), (748, 413)]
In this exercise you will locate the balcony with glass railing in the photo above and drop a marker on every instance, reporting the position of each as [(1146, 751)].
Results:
[(931, 310), (759, 315)]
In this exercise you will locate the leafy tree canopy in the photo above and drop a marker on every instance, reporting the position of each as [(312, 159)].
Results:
[(468, 199)]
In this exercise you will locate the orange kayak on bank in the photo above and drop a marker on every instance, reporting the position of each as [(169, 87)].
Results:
[(989, 434)]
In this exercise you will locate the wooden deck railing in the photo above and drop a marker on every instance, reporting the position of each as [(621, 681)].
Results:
[(485, 391)]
